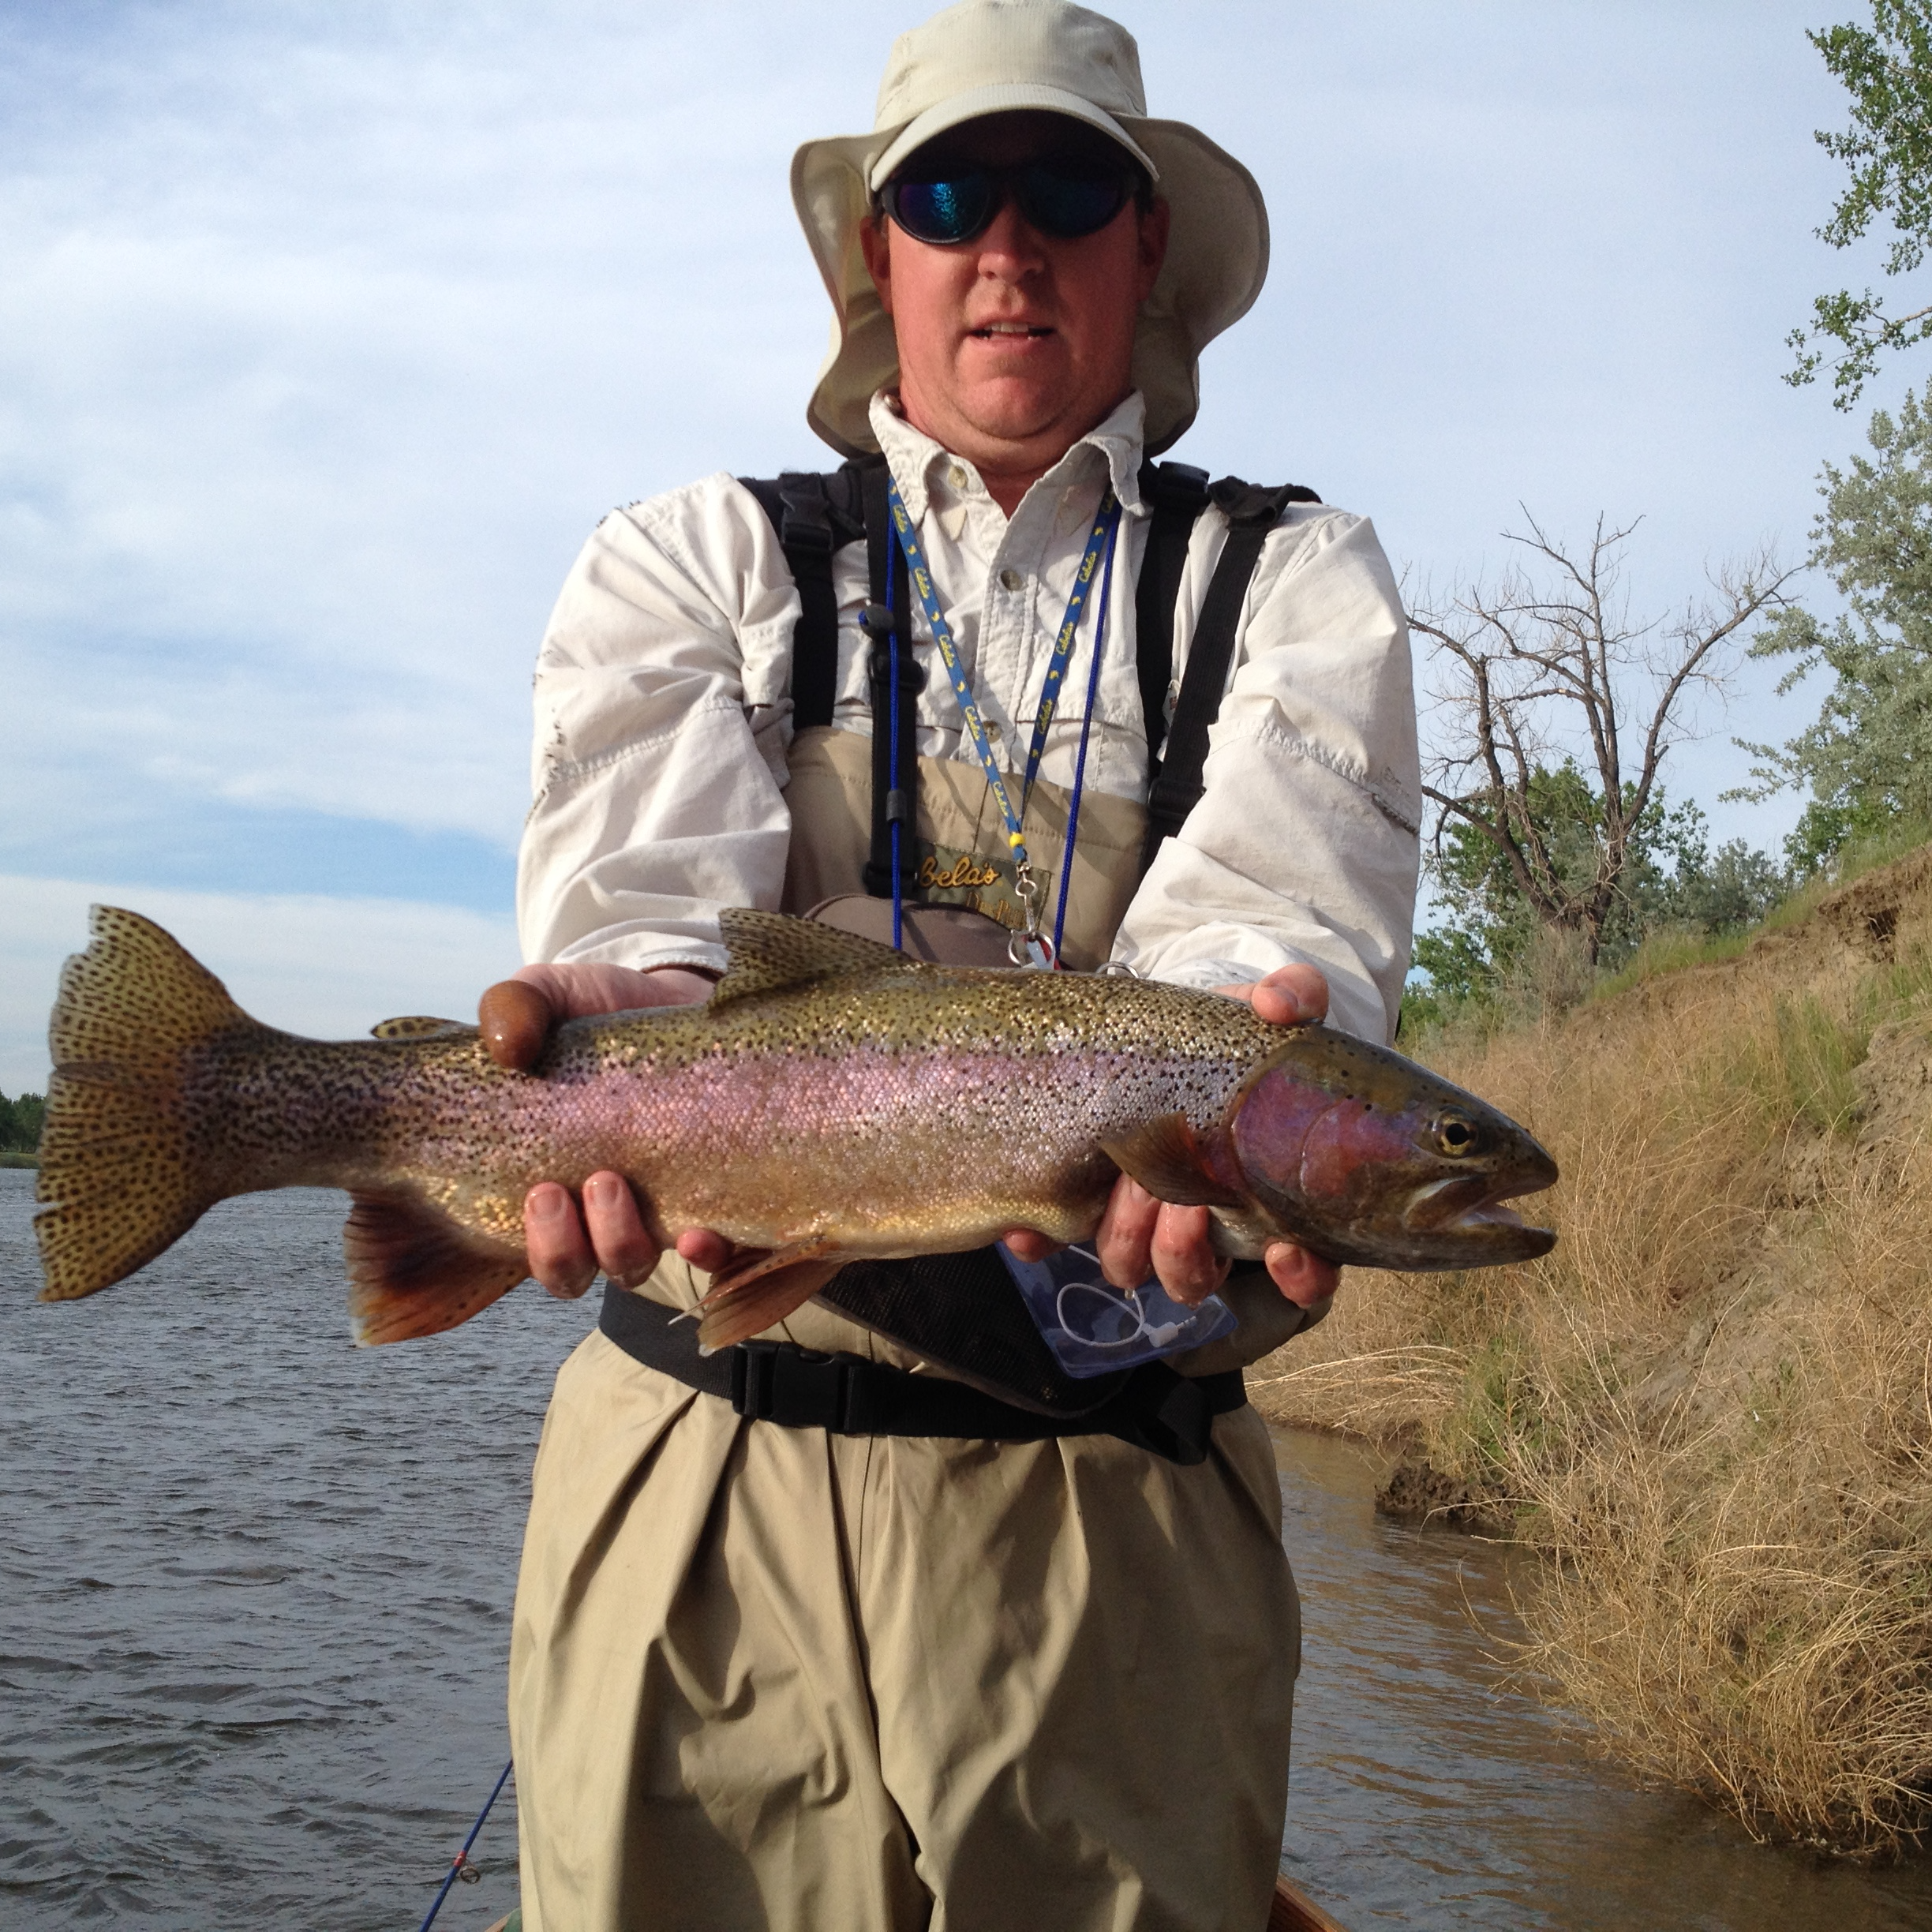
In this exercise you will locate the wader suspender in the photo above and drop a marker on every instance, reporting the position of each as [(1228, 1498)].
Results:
[(889, 805), (1176, 781), (816, 515)]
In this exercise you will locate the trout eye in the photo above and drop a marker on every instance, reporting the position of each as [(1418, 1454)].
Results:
[(1455, 1134)]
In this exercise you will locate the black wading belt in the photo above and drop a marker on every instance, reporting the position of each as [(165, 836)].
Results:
[(1168, 1414), (964, 1312)]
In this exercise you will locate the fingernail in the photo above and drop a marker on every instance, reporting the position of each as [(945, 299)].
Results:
[(602, 1190), (545, 1203)]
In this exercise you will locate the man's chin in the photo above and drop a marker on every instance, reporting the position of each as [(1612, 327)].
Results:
[(1021, 414)]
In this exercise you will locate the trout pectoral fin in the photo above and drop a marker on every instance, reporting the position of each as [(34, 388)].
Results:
[(1163, 1156), (413, 1271), (749, 1297)]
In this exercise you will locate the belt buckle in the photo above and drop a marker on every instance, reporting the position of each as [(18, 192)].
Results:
[(755, 1378)]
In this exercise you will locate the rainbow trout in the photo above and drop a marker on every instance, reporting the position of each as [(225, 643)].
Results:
[(833, 1100)]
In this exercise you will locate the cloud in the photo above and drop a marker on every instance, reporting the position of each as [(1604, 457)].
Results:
[(328, 967), (328, 331)]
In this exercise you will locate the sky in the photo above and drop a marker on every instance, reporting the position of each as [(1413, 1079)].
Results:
[(328, 331)]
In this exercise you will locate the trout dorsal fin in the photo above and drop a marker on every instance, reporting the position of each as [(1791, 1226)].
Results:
[(419, 1026), (770, 950)]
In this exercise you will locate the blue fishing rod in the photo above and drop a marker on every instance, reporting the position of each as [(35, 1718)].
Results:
[(461, 1862)]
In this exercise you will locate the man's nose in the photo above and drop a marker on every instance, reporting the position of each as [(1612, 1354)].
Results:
[(1010, 249)]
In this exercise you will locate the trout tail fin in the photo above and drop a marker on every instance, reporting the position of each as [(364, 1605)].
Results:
[(118, 1178)]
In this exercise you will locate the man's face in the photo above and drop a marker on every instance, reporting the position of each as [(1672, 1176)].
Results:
[(1013, 344)]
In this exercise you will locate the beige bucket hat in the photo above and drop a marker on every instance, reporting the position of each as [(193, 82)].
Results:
[(986, 57)]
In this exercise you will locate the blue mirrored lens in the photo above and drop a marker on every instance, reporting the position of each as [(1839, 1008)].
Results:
[(1068, 201), (943, 210)]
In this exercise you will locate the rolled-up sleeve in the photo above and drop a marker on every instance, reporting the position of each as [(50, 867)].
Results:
[(662, 717), (1305, 846)]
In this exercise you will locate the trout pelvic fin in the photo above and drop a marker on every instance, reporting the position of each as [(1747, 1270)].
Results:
[(413, 1271), (420, 1026), (770, 950), (119, 1177), (1164, 1156), (751, 1295)]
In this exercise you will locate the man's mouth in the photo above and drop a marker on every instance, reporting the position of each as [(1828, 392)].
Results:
[(1006, 331)]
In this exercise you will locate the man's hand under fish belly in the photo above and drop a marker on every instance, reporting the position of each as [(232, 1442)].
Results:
[(567, 1245)]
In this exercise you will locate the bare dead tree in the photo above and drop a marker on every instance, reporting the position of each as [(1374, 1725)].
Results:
[(1549, 664)]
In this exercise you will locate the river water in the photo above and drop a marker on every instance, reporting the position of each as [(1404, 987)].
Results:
[(255, 1588)]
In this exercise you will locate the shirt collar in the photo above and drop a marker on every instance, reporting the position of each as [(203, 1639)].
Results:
[(914, 458)]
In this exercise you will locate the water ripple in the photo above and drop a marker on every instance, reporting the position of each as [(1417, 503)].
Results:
[(255, 1586)]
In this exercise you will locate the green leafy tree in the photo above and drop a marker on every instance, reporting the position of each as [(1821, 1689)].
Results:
[(1867, 759), (1887, 69), (20, 1123), (1671, 879), (1727, 891)]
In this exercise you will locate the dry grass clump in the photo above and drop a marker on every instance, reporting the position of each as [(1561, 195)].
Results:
[(1711, 1407), (1739, 1597)]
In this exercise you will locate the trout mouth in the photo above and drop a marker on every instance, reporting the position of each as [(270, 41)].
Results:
[(1471, 1203)]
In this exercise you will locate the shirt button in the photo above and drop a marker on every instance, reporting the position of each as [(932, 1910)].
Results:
[(956, 477), (1011, 579), (992, 728)]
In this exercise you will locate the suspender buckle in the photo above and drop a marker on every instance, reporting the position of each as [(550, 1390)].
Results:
[(806, 524)]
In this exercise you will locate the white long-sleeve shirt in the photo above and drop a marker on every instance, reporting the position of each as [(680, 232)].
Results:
[(664, 715)]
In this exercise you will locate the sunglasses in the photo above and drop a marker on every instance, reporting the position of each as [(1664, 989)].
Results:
[(1064, 199)]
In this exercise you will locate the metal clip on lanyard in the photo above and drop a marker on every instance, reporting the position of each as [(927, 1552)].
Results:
[(1029, 946)]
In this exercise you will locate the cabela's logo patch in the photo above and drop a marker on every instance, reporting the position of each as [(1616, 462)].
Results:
[(964, 871), (944, 875)]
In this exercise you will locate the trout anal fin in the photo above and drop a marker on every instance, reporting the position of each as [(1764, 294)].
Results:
[(758, 1290), (1164, 1157), (413, 1271)]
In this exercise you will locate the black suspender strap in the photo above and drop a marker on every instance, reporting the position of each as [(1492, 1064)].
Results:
[(1178, 493), (814, 516), (890, 804), (1251, 512)]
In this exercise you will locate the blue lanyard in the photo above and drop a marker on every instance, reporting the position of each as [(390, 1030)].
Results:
[(1080, 765), (1100, 539)]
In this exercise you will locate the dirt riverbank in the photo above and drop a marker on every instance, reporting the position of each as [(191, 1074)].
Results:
[(1711, 1407)]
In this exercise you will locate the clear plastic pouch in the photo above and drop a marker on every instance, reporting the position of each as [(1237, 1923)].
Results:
[(1093, 1327)]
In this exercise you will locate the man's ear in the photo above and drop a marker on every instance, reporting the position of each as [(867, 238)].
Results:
[(875, 243), (1153, 251)]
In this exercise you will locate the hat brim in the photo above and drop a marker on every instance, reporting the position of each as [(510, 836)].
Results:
[(1217, 257), (1001, 97)]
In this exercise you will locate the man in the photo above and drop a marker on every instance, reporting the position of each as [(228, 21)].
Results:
[(766, 1674)]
